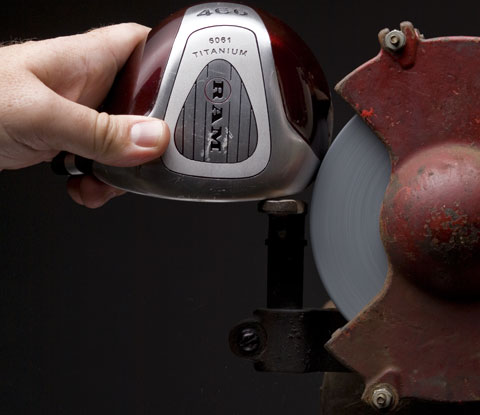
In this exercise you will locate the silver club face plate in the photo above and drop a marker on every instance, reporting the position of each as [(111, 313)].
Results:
[(218, 107), (344, 218)]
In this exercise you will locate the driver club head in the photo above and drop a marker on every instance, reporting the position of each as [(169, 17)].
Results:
[(246, 101)]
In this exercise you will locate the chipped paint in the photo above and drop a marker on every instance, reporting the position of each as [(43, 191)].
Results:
[(367, 113)]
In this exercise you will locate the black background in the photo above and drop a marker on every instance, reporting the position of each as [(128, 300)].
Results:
[(126, 309)]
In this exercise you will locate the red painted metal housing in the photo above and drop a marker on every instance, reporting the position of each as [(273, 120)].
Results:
[(420, 334)]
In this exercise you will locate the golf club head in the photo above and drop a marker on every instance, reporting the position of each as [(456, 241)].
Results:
[(246, 101)]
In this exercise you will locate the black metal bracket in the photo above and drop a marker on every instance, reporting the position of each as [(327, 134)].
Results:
[(284, 337), (289, 341)]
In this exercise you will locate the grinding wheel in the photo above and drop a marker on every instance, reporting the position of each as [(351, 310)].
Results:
[(344, 222)]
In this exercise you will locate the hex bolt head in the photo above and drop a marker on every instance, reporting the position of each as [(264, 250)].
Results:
[(395, 40), (382, 398)]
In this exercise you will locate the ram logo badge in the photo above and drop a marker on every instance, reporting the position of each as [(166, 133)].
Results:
[(217, 123)]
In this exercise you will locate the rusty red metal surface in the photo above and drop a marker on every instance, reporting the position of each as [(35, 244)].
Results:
[(420, 334)]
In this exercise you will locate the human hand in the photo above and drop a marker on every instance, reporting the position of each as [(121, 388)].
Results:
[(48, 90)]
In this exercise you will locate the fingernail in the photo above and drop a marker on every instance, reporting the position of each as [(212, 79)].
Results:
[(147, 133)]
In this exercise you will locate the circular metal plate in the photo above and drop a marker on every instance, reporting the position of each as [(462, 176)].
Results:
[(344, 220)]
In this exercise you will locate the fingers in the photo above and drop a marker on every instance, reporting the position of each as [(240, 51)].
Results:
[(119, 40), (116, 140), (90, 192), (82, 68)]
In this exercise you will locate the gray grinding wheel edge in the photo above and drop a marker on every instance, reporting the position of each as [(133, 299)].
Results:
[(344, 219)]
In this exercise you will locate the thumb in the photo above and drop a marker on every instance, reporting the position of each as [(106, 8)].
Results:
[(116, 140)]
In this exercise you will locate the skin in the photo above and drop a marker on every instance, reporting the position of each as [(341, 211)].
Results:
[(50, 90)]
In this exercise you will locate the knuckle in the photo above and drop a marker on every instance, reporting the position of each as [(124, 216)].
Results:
[(106, 134), (94, 68)]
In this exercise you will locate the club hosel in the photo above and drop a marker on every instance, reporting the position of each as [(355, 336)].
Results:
[(71, 165)]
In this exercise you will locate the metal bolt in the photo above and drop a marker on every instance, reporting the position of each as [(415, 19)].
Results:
[(395, 40), (282, 207), (382, 398), (249, 340)]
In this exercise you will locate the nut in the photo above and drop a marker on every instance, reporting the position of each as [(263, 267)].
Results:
[(382, 398), (282, 207), (395, 40)]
